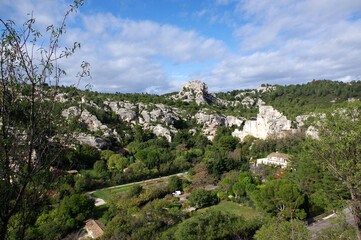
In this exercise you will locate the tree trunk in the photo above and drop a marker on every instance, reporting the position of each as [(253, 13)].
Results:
[(356, 213), (4, 229)]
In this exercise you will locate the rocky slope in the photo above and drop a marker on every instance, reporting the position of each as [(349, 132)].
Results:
[(162, 119)]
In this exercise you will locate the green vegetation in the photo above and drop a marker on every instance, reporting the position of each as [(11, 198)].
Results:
[(44, 201), (101, 213), (214, 224), (315, 96), (108, 193), (200, 198), (338, 149), (235, 208), (276, 229)]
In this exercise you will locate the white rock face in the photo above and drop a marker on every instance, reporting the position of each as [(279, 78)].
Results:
[(269, 122), (248, 102), (160, 113), (234, 121), (260, 102), (240, 95), (196, 91), (301, 119), (312, 132), (124, 112), (91, 140), (90, 121), (159, 130), (266, 89), (61, 97), (212, 121)]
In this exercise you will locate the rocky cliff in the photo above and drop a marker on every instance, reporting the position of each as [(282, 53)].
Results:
[(269, 122), (162, 119)]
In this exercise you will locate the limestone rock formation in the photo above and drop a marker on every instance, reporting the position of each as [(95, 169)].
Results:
[(91, 140), (61, 97), (260, 102), (248, 102), (160, 113), (90, 121), (212, 121), (123, 110), (261, 89), (312, 132), (269, 122), (196, 91), (159, 130)]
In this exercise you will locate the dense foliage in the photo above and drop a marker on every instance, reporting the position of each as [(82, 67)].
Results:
[(315, 96)]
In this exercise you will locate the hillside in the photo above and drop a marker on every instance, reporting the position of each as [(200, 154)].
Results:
[(96, 140), (110, 117)]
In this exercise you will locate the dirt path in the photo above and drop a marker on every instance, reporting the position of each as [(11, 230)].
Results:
[(99, 201)]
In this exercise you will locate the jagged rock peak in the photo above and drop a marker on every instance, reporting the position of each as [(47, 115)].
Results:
[(196, 91), (196, 86)]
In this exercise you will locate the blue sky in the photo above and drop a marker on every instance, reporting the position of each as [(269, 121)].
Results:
[(156, 46)]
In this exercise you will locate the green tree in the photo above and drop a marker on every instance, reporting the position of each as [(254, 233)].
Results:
[(30, 138), (275, 230), (106, 154), (226, 185), (87, 155), (68, 216), (174, 183), (324, 191), (221, 131), (281, 197), (201, 198), (338, 150), (239, 189), (117, 163), (215, 224), (100, 168), (228, 143)]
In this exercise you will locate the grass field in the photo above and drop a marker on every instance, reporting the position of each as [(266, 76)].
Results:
[(106, 194), (235, 208)]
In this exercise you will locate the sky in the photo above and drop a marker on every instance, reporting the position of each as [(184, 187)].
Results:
[(156, 46)]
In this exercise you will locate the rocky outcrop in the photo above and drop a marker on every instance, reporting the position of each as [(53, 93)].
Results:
[(148, 115), (248, 102), (212, 121), (123, 111), (260, 102), (196, 91), (160, 113), (241, 94), (261, 89), (300, 120), (90, 121), (269, 122), (91, 140), (159, 131), (61, 97), (312, 132)]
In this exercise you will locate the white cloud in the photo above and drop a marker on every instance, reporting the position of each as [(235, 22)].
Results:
[(284, 42), (125, 54), (280, 42), (45, 12)]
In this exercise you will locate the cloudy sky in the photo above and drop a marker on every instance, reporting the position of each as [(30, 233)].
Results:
[(155, 46)]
